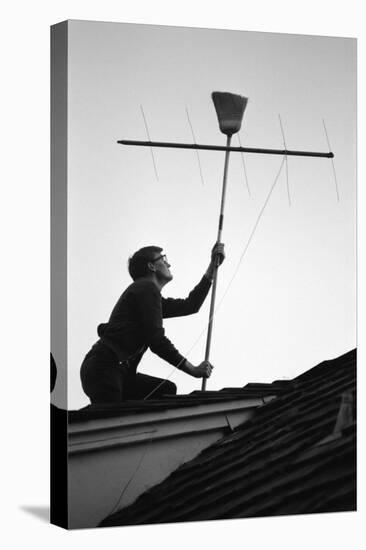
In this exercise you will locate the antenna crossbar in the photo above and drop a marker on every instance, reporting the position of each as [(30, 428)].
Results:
[(224, 148)]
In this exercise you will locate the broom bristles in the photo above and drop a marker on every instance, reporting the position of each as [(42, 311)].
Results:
[(230, 110)]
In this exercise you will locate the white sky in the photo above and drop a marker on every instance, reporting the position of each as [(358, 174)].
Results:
[(292, 303)]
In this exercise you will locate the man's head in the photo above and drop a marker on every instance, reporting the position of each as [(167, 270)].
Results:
[(150, 261)]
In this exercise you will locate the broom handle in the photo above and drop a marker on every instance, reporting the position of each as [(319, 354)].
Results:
[(215, 273)]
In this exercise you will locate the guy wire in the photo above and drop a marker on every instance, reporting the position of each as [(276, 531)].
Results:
[(230, 282), (132, 477), (252, 234)]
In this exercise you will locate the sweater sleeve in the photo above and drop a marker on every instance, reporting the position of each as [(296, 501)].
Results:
[(149, 307), (177, 307)]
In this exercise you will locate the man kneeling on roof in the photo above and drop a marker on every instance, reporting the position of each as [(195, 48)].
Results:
[(108, 372)]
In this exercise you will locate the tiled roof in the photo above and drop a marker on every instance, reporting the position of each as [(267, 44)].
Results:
[(296, 455), (250, 391)]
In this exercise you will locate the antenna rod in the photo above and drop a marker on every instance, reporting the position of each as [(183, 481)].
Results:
[(214, 284), (227, 148)]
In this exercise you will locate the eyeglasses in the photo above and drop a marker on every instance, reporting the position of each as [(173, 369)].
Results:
[(162, 257)]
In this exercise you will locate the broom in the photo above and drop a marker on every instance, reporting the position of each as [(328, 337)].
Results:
[(230, 110)]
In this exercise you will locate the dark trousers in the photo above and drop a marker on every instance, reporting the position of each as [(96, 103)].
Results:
[(104, 380)]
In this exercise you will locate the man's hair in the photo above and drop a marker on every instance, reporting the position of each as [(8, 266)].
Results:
[(137, 263)]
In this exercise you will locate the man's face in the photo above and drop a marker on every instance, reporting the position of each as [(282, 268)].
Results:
[(162, 267)]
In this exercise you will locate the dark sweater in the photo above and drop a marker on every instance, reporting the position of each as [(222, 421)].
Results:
[(136, 322)]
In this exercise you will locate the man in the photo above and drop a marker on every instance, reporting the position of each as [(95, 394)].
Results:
[(108, 373)]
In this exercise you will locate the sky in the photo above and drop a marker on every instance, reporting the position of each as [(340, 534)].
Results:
[(290, 301)]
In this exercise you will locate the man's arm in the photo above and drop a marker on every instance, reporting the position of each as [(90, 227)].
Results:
[(177, 307), (203, 370), (148, 303)]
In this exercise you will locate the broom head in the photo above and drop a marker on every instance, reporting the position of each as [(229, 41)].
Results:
[(230, 110)]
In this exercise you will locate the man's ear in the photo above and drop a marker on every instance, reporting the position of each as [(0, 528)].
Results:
[(151, 266)]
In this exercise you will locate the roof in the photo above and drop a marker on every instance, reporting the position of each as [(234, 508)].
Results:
[(297, 454), (117, 453), (250, 391)]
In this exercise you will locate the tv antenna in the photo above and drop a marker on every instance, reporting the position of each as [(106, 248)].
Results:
[(230, 110)]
